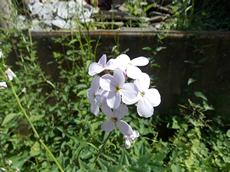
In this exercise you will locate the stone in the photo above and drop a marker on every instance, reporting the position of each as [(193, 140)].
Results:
[(62, 9), (47, 22), (85, 16), (59, 22), (35, 25), (73, 8), (58, 13), (46, 12), (21, 22), (35, 8)]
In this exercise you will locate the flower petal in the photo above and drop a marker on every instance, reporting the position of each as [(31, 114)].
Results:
[(94, 108), (3, 85), (10, 74), (121, 111), (102, 61), (143, 82), (127, 144), (119, 78), (124, 127), (101, 95), (95, 83), (153, 96), (123, 61), (113, 100), (107, 110), (124, 58), (129, 93), (135, 134), (144, 108), (106, 82), (140, 61), (133, 72), (129, 139), (90, 95), (94, 69), (112, 64), (107, 126)]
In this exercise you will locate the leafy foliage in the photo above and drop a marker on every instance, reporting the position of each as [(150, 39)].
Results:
[(59, 110), (199, 15)]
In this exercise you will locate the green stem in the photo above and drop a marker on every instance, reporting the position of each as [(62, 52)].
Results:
[(102, 147), (32, 126)]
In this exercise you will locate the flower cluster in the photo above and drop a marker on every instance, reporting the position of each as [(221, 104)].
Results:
[(116, 84)]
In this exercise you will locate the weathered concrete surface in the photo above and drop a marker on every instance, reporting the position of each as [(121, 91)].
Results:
[(6, 14), (204, 56)]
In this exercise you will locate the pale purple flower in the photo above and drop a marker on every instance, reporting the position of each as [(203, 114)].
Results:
[(10, 74), (147, 98), (112, 91), (118, 90), (96, 68), (129, 139), (95, 95), (115, 120), (3, 85), (130, 66)]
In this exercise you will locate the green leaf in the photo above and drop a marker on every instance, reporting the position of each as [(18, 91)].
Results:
[(175, 168), (228, 133), (207, 106), (35, 149), (9, 118), (34, 118), (158, 49), (200, 95), (115, 168), (19, 159), (190, 81), (175, 124), (147, 49)]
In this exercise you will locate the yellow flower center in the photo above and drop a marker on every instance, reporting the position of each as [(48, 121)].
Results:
[(117, 88), (114, 119), (142, 93)]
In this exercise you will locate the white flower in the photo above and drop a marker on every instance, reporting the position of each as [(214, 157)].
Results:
[(10, 74), (3, 85), (95, 95), (114, 120), (130, 66), (118, 89), (148, 98), (1, 54), (129, 139), (112, 89), (96, 68)]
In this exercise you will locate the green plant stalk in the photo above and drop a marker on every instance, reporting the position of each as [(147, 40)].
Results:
[(102, 147), (32, 126), (1, 151)]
